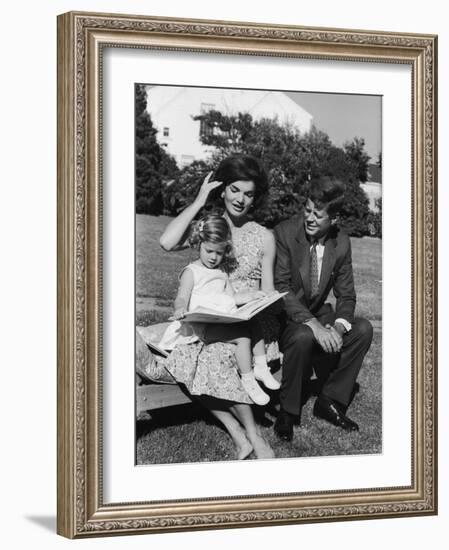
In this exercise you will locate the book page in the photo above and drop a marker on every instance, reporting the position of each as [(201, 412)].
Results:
[(255, 306), (244, 313)]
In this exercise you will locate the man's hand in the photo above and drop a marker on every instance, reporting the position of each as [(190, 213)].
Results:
[(326, 337), (340, 328), (337, 331)]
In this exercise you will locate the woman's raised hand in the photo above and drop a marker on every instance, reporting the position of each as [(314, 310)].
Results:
[(206, 187), (177, 230)]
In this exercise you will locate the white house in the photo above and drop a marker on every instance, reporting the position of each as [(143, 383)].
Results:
[(172, 109), (373, 187)]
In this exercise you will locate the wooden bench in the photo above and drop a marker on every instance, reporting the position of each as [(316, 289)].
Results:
[(155, 388), (150, 396)]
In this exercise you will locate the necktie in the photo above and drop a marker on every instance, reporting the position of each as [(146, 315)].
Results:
[(314, 280)]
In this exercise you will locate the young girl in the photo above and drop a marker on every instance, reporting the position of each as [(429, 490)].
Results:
[(205, 282)]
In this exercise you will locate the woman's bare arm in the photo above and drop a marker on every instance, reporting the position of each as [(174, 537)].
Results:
[(177, 230), (269, 255)]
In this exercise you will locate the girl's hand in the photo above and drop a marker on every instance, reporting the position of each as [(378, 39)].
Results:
[(255, 294), (178, 314), (206, 187), (244, 297)]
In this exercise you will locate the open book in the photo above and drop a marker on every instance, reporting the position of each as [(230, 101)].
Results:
[(243, 313)]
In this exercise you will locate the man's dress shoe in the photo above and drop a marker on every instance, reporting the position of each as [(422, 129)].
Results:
[(329, 410), (283, 426)]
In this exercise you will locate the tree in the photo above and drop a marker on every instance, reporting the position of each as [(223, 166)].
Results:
[(153, 165), (357, 158), (291, 160), (178, 193), (226, 133), (276, 145), (379, 160), (375, 223)]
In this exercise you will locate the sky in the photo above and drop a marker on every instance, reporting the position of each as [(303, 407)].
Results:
[(345, 116)]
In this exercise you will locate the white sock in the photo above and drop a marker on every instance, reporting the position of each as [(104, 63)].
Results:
[(260, 361)]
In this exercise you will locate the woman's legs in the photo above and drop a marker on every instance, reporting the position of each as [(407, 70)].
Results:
[(243, 446), (245, 440), (244, 413), (234, 429)]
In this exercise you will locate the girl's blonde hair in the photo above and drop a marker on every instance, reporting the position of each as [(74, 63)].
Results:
[(213, 228)]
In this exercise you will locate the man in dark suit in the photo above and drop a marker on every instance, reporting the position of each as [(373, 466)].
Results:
[(313, 257)]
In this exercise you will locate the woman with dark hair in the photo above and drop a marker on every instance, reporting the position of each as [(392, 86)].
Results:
[(240, 183)]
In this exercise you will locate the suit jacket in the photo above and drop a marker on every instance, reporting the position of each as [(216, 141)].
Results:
[(291, 272)]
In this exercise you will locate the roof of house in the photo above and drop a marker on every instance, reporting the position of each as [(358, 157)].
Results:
[(258, 103)]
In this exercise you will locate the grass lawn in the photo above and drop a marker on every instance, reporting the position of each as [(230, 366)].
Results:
[(188, 433), (157, 271)]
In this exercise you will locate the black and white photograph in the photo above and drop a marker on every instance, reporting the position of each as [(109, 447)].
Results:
[(258, 276), (149, 142)]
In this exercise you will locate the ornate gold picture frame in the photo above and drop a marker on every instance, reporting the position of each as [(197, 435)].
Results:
[(82, 41)]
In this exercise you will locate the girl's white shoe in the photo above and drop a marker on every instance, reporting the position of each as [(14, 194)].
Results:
[(263, 374), (253, 389)]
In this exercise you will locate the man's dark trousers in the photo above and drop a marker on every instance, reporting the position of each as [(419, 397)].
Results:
[(339, 370)]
